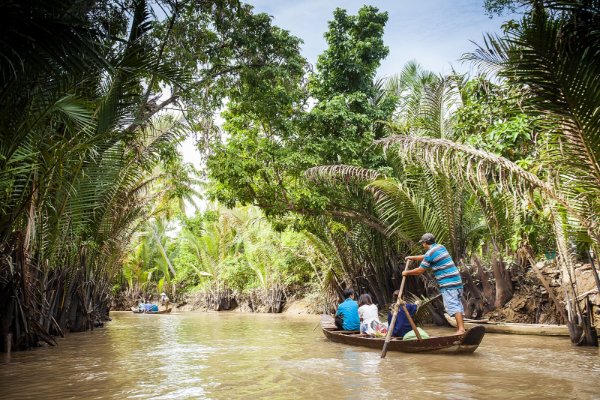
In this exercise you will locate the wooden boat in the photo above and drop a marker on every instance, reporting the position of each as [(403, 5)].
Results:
[(514, 328), (453, 344), (136, 310)]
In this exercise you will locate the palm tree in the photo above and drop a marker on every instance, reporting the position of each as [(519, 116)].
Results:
[(552, 57), (419, 195), (75, 177)]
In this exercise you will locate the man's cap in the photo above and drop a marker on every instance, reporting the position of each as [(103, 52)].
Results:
[(427, 238)]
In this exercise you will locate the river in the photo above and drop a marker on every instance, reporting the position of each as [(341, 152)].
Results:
[(242, 356)]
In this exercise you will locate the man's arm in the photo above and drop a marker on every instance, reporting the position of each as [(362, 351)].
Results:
[(415, 258), (416, 271)]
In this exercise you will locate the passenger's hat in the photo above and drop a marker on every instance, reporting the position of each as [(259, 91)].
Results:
[(427, 238)]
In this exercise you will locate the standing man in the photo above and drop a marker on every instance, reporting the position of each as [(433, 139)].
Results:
[(348, 310), (438, 259), (164, 299)]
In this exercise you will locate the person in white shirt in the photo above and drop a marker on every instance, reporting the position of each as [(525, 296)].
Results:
[(367, 312)]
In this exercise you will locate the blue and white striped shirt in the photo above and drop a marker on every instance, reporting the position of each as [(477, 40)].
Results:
[(439, 260)]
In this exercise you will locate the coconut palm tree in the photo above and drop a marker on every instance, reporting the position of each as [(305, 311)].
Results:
[(408, 200), (551, 55), (75, 176)]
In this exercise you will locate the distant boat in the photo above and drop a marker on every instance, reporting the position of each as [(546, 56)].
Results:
[(514, 328), (453, 344), (136, 310)]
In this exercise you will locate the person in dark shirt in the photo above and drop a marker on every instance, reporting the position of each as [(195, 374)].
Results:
[(402, 326)]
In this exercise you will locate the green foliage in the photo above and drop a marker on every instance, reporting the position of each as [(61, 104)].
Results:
[(227, 51), (221, 248), (475, 161), (89, 136), (550, 57), (91, 178), (184, 261), (500, 7), (265, 156), (350, 105), (492, 119), (355, 50)]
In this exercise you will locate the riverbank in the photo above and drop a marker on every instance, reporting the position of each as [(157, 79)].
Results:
[(294, 306), (539, 295), (537, 298)]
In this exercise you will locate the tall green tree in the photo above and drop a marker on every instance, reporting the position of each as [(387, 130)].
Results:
[(263, 160)]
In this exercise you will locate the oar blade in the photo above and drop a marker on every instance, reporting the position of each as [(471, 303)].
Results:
[(384, 351), (388, 336)]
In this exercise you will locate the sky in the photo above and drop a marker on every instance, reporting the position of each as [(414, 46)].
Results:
[(435, 33)]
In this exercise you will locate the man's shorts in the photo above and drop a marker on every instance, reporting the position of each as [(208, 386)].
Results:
[(452, 301)]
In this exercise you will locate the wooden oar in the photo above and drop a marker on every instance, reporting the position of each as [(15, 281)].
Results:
[(411, 322), (399, 303)]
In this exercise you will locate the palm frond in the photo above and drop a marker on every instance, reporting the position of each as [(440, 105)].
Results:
[(402, 211), (480, 168), (423, 314), (341, 174)]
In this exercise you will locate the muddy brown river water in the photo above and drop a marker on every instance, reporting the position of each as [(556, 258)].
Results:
[(251, 356)]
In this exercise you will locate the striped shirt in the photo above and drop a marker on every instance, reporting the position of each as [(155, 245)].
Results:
[(439, 261)]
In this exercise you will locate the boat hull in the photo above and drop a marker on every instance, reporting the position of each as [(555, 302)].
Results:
[(454, 344)]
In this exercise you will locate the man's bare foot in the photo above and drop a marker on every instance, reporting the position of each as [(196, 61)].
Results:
[(460, 332)]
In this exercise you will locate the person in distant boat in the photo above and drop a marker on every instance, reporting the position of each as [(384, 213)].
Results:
[(438, 260), (147, 306), (164, 299), (402, 326), (368, 313), (348, 311)]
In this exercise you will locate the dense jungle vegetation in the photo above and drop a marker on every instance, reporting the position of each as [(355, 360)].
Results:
[(319, 178)]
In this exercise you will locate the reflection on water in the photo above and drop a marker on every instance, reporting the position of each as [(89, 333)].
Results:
[(238, 356)]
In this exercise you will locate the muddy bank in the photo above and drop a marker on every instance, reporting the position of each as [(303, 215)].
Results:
[(301, 303), (538, 302)]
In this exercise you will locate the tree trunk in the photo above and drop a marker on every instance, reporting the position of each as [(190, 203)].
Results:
[(484, 279), (475, 303), (6, 316), (504, 287)]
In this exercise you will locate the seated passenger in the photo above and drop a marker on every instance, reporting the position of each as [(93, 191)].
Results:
[(348, 311), (402, 326), (368, 313)]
